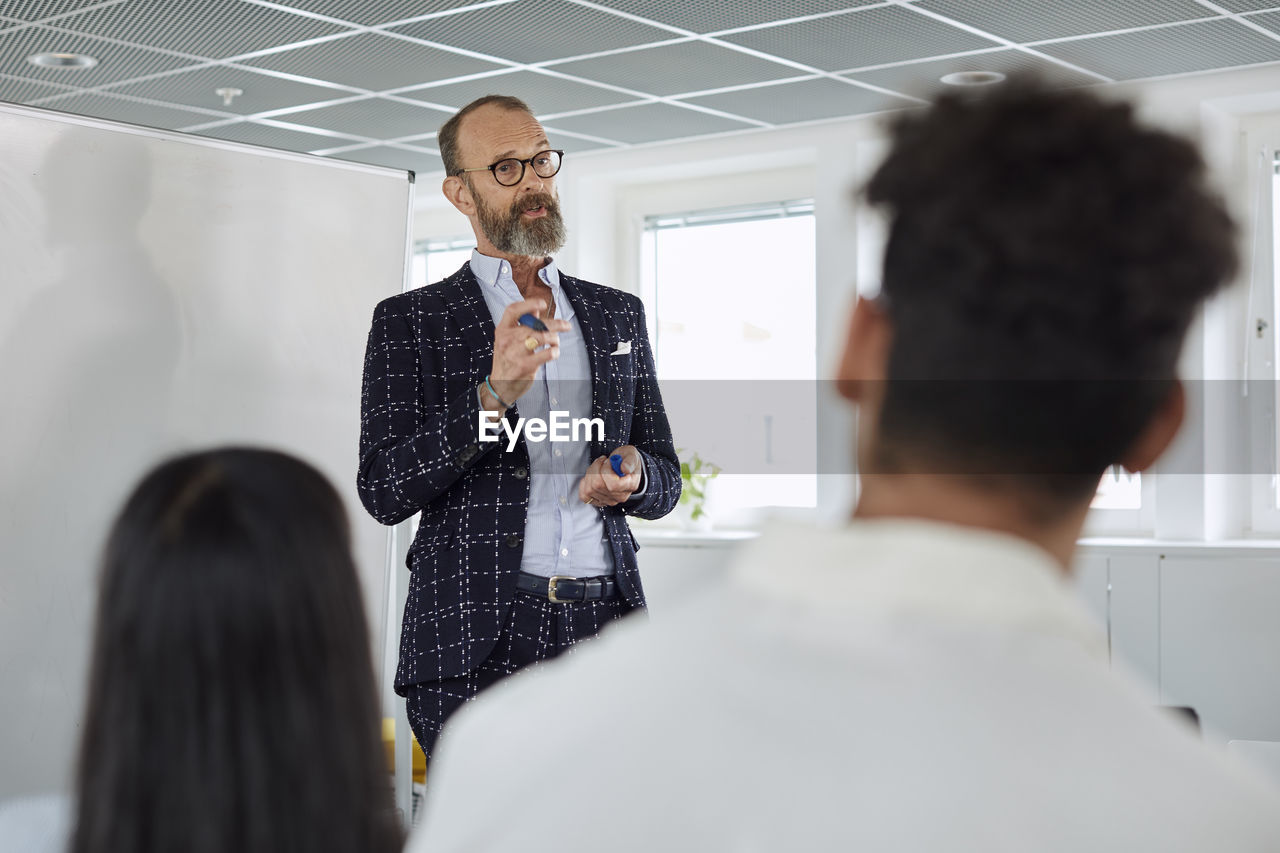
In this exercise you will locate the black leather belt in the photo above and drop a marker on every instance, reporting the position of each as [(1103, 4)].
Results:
[(561, 588)]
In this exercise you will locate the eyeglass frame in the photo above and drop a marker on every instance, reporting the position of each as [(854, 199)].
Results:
[(524, 164)]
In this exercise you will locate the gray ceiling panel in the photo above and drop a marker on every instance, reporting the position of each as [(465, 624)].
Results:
[(36, 10), (535, 30), (1270, 20), (573, 146), (691, 66), (370, 13), (715, 17), (131, 112), (1037, 20), (373, 62), (546, 95), (807, 100), (1172, 50), (924, 79), (268, 136), (371, 117), (114, 61), (868, 37), (260, 92), (645, 123), (903, 43), (17, 90), (215, 29), (421, 162)]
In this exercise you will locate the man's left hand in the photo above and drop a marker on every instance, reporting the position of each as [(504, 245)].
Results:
[(601, 487)]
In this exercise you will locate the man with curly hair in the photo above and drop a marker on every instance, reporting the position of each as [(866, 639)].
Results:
[(922, 678)]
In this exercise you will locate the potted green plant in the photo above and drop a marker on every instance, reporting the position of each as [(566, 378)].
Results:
[(696, 474)]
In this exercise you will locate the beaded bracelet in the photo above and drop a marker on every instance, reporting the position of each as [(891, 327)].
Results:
[(501, 401)]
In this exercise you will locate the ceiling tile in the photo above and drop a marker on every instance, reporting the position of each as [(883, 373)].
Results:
[(714, 17), (132, 112), (1201, 46), (543, 93), (869, 37), (573, 146), (644, 123), (808, 100), (924, 79), (370, 13), (1269, 20), (261, 92), (373, 118), (420, 162), (18, 90), (215, 29), (535, 30), (1036, 20), (115, 62), (36, 10), (690, 66), (372, 62), (269, 136)]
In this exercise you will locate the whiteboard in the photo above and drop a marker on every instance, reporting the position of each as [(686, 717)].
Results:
[(159, 293)]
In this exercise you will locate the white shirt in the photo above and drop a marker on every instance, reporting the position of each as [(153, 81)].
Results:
[(891, 685), (563, 536)]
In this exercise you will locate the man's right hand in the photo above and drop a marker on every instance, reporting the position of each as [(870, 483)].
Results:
[(515, 359)]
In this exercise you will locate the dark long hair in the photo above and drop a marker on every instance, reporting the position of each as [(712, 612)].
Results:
[(232, 705)]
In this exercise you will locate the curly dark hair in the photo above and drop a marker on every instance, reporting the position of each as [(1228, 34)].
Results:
[(1046, 255)]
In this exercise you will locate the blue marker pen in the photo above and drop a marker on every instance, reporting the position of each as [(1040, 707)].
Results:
[(615, 460), (532, 322)]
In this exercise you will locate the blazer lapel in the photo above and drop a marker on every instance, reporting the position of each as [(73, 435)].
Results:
[(595, 336), (462, 294)]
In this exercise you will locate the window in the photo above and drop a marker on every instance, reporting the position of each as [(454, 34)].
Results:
[(436, 259), (732, 296)]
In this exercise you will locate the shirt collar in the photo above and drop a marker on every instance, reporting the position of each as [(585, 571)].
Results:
[(886, 569), (487, 270)]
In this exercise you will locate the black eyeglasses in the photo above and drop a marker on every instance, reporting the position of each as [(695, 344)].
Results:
[(510, 171)]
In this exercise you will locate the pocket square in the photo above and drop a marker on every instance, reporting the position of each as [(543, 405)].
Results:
[(624, 348)]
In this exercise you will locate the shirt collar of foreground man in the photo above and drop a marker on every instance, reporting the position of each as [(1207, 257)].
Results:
[(924, 678)]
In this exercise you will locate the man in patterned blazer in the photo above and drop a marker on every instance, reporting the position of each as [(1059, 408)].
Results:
[(522, 546)]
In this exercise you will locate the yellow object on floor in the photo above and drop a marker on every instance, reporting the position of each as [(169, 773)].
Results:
[(389, 745)]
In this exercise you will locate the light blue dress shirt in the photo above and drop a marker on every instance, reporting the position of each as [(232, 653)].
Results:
[(564, 536)]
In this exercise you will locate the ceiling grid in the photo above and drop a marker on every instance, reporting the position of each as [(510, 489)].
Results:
[(372, 80)]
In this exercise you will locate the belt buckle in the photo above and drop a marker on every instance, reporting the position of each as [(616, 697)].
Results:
[(551, 588)]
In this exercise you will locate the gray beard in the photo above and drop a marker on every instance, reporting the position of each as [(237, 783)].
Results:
[(535, 238)]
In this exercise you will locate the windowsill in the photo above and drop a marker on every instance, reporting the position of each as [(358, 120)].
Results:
[(672, 537), (1181, 548)]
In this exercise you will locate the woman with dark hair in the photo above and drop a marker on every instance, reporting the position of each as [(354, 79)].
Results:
[(232, 706)]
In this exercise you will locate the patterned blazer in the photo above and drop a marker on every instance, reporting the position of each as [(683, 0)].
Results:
[(428, 351)]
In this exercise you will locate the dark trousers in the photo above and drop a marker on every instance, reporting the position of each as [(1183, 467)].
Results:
[(536, 629)]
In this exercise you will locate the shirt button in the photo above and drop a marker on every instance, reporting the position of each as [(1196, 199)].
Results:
[(554, 401), (564, 501), (564, 552), (558, 453)]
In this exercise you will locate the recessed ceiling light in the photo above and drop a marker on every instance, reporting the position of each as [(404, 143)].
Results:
[(62, 60), (972, 78)]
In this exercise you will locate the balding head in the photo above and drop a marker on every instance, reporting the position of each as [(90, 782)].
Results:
[(447, 138)]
